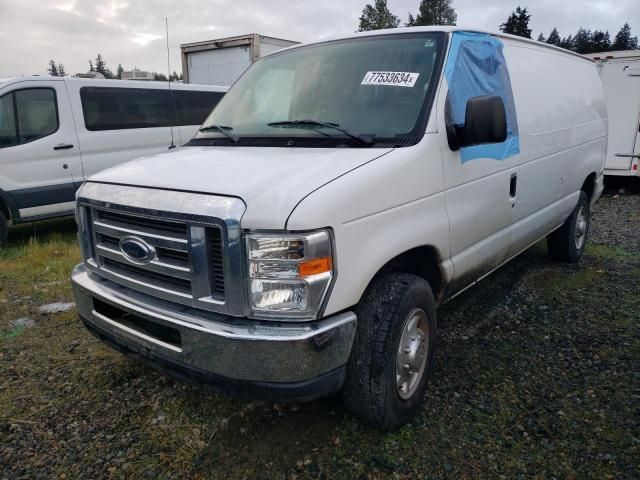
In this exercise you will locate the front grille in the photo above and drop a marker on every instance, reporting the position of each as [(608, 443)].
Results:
[(172, 274)]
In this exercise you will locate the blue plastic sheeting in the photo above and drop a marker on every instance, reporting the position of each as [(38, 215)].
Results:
[(475, 67)]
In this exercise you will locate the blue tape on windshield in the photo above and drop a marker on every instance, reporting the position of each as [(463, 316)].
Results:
[(475, 67)]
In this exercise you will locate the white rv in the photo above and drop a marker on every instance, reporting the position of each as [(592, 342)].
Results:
[(57, 131), (620, 74), (300, 244)]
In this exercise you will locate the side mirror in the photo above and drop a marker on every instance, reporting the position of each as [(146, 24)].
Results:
[(485, 121)]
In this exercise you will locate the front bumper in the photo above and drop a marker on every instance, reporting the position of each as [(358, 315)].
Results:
[(266, 359)]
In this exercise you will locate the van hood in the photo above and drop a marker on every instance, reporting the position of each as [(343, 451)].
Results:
[(271, 181)]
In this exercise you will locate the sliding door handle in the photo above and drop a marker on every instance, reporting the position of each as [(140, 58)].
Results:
[(513, 186), (63, 146)]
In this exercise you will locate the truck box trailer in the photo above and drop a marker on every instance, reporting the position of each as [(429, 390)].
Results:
[(222, 61), (620, 75)]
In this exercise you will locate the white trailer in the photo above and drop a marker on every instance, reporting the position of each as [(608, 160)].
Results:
[(222, 61), (620, 75)]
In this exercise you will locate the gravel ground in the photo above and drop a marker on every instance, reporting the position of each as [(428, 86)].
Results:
[(537, 375)]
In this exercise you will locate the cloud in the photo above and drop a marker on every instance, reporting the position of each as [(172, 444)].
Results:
[(145, 39), (130, 31)]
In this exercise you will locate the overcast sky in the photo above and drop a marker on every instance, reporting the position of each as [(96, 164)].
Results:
[(131, 32)]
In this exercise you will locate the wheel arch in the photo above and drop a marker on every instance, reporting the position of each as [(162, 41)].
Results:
[(589, 185), (8, 207), (423, 261)]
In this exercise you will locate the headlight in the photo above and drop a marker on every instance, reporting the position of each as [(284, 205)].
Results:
[(289, 274)]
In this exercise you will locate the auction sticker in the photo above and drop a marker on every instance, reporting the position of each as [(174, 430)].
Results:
[(396, 79)]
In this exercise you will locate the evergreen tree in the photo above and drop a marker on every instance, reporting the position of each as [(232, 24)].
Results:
[(119, 71), (518, 23), (434, 12), (91, 69), (567, 42), (53, 69), (160, 77), (100, 64), (101, 67), (377, 17), (582, 42), (624, 40), (554, 38), (541, 38), (61, 71), (600, 41)]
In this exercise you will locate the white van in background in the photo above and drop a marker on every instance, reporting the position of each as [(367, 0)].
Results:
[(301, 242), (57, 131), (620, 75)]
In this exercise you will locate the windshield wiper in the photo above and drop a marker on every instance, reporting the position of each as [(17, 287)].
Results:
[(297, 123), (221, 129)]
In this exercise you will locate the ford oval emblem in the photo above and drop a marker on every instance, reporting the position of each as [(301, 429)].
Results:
[(137, 250)]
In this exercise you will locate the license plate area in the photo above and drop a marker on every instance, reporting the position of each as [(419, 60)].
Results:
[(157, 333)]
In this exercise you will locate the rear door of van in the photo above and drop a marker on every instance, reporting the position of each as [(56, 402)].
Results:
[(40, 164), (119, 123), (621, 83)]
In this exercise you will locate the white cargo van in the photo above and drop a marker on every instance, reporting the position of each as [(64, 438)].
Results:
[(301, 242), (57, 131), (620, 74)]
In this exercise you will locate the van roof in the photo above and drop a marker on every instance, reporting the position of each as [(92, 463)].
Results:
[(446, 29), (113, 82)]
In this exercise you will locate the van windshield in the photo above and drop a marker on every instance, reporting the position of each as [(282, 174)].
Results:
[(356, 92)]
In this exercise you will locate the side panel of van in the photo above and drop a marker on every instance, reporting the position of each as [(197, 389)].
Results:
[(499, 206), (40, 165), (562, 122), (118, 124), (623, 105)]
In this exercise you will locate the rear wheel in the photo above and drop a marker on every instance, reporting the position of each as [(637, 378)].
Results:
[(4, 229), (390, 363), (567, 243)]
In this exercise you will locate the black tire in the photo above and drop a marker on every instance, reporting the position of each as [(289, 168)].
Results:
[(370, 391), (4, 230), (563, 244)]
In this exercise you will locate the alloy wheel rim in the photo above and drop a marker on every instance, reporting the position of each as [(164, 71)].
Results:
[(413, 350), (581, 228)]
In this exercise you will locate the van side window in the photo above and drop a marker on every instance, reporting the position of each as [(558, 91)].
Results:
[(106, 108), (37, 113), (194, 107), (8, 133), (27, 115)]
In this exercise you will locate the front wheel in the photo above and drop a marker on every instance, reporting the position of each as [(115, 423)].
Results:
[(391, 359), (567, 243)]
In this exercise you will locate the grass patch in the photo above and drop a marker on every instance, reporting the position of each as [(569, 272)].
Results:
[(554, 281), (607, 251), (11, 334), (535, 378)]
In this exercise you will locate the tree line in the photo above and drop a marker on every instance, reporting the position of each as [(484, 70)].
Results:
[(377, 16), (583, 41), (100, 66)]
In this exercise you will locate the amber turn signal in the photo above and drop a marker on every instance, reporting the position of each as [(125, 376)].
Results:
[(314, 267)]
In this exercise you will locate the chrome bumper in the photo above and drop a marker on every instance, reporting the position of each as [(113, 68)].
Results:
[(233, 348)]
